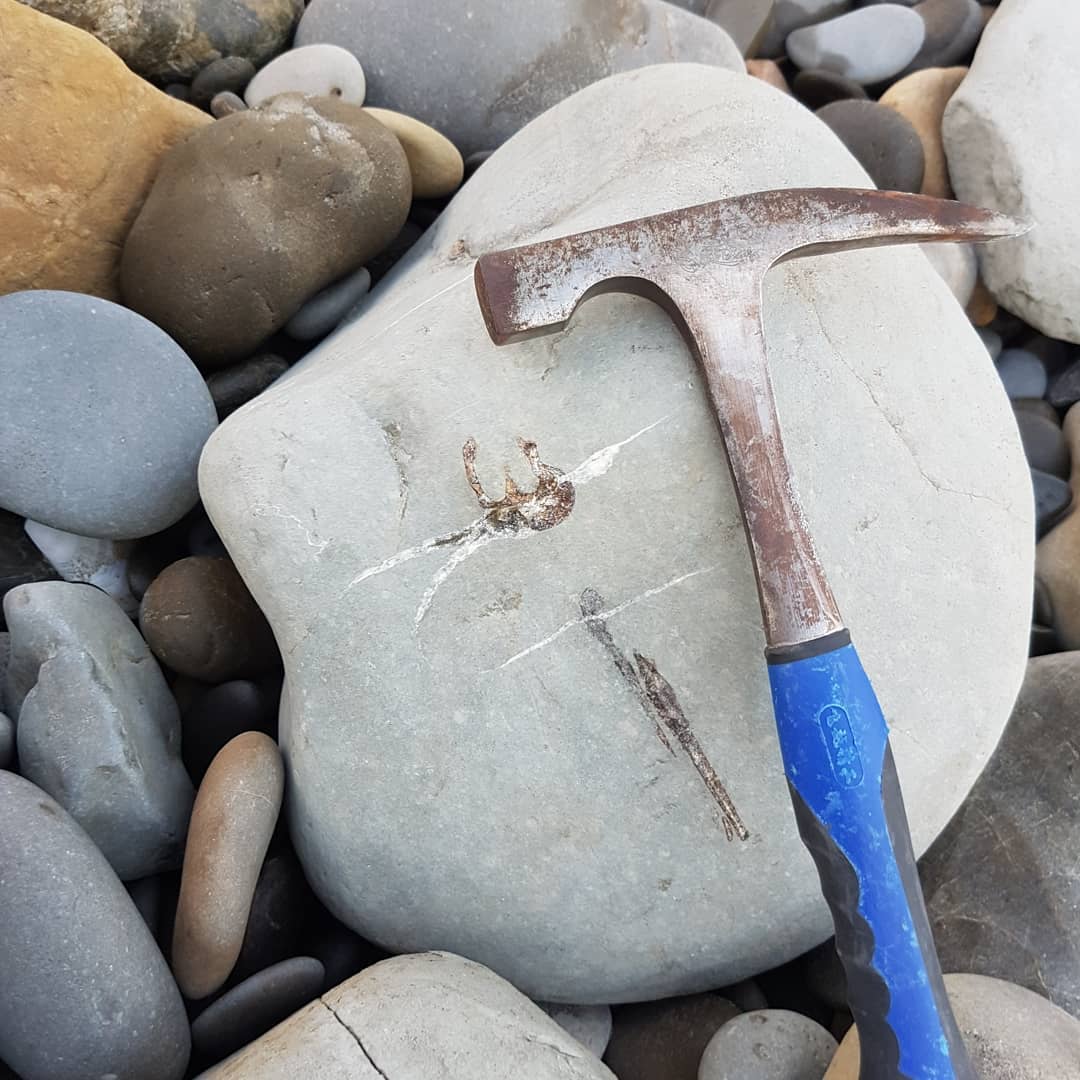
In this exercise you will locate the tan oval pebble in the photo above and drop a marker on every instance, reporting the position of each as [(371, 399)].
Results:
[(436, 165), (981, 308), (921, 98), (235, 812), (768, 71)]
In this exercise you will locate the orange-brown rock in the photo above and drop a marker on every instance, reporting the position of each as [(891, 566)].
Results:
[(981, 306), (80, 140), (768, 71), (921, 98)]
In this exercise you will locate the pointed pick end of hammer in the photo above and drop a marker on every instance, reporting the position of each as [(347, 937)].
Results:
[(980, 225)]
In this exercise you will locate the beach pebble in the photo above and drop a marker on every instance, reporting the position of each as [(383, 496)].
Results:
[(768, 71), (436, 165), (747, 994), (957, 265), (952, 30), (225, 104), (20, 559), (868, 45), (227, 73), (664, 1040), (327, 308), (84, 990), (746, 21), (235, 812), (234, 386), (97, 726), (333, 181), (396, 250), (815, 88), (770, 1044), (589, 1024), (1064, 388), (7, 741), (883, 142), (992, 340), (200, 620), (311, 70), (89, 135), (1010, 1033), (255, 1005), (1043, 441), (789, 15), (1057, 555), (982, 308), (1022, 373), (104, 417), (87, 560), (921, 99), (220, 713)]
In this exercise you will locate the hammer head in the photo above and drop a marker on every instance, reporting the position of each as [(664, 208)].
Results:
[(731, 243)]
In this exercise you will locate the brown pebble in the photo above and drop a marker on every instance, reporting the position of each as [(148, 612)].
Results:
[(921, 99), (235, 813), (768, 71), (982, 307), (225, 104), (199, 619)]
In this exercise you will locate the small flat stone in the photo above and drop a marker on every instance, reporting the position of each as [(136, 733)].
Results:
[(768, 71), (327, 308), (253, 1007), (1044, 444), (1057, 555), (816, 87), (770, 1044), (952, 30), (199, 619), (664, 1040), (311, 70), (227, 73), (97, 726), (235, 812), (921, 99), (435, 163), (1023, 374), (225, 103), (234, 386), (589, 1024), (1064, 389), (75, 952), (220, 713), (789, 15), (883, 142), (868, 45)]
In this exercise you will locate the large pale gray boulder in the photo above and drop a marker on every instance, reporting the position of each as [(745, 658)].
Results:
[(473, 762), (1012, 138), (478, 71)]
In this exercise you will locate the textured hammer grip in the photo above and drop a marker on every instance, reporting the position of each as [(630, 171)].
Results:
[(850, 814)]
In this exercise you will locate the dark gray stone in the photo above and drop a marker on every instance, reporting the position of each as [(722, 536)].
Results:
[(237, 385), (952, 31), (225, 104), (885, 143), (7, 741), (746, 994), (104, 417), (517, 68), (1065, 387), (1044, 444), (84, 990), (223, 712), (97, 726), (1000, 882), (146, 895), (342, 952), (254, 1006), (326, 309), (20, 560), (231, 73), (790, 15), (816, 88), (1022, 373)]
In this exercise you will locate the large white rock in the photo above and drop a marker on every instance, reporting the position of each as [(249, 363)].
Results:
[(1012, 137), (469, 767)]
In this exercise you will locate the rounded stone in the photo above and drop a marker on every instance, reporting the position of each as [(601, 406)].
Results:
[(790, 15), (1053, 496), (1057, 557), (815, 88), (219, 714), (952, 30), (1022, 373), (234, 386), (589, 1024), (254, 1006), (1043, 442), (768, 71), (332, 182), (883, 142), (326, 309), (311, 70), (200, 620), (436, 165), (770, 1044), (1064, 391), (424, 1015), (7, 741), (84, 990), (235, 812), (21, 562), (225, 103), (957, 265), (104, 417), (1010, 1033), (179, 38), (921, 99), (664, 1040), (492, 690), (228, 73), (867, 45), (97, 726)]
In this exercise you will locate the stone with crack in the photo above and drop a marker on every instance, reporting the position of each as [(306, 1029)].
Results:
[(470, 765)]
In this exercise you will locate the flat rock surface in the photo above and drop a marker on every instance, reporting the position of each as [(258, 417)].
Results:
[(493, 73), (444, 684), (84, 990), (431, 1015), (1007, 150)]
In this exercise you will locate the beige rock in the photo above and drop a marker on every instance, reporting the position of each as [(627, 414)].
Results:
[(921, 97), (768, 71), (1011, 1033), (1057, 555), (436, 166), (235, 812), (80, 141), (981, 307)]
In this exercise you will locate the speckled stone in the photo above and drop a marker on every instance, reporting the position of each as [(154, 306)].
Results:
[(770, 1044), (234, 817)]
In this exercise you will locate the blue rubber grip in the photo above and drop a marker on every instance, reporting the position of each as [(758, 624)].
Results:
[(840, 770)]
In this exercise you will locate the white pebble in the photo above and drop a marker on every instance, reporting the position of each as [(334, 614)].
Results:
[(312, 70)]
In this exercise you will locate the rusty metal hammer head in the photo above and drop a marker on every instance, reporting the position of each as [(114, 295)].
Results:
[(705, 265)]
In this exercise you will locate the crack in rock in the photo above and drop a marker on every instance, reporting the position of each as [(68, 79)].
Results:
[(356, 1038)]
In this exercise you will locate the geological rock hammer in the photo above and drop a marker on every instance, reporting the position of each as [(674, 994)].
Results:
[(705, 265)]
